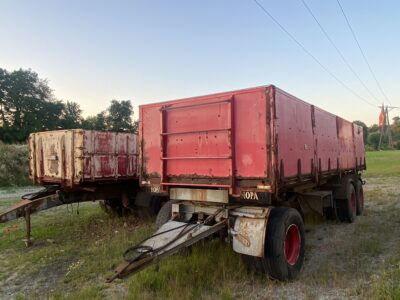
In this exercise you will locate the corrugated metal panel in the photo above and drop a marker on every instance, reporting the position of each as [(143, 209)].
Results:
[(326, 138), (359, 145), (71, 157), (197, 139), (260, 136), (346, 144), (295, 136)]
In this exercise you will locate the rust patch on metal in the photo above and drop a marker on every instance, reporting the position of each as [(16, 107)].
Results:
[(76, 156), (53, 160)]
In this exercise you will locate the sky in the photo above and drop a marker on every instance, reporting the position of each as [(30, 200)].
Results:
[(148, 51)]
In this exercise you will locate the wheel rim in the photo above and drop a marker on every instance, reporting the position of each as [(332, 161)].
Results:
[(353, 201), (292, 244)]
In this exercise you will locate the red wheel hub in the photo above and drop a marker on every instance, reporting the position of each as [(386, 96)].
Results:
[(292, 244), (353, 201)]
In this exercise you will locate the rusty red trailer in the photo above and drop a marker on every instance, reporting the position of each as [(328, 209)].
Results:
[(257, 139), (253, 162), (87, 165), (72, 158), (79, 165)]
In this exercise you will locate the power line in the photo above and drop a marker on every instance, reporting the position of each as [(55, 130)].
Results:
[(338, 51), (362, 52), (310, 54)]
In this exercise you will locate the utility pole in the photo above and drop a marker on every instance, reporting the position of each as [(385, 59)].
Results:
[(385, 124)]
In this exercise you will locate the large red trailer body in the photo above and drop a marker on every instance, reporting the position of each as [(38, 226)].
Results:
[(259, 139)]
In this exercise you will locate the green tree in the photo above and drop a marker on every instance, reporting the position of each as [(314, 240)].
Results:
[(3, 103), (374, 128), (119, 116), (396, 121), (71, 116), (396, 131), (89, 123), (97, 122), (26, 105), (373, 139), (396, 127)]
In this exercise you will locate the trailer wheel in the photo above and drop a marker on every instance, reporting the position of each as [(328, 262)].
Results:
[(164, 214), (347, 208), (284, 245), (360, 197), (114, 208), (147, 204)]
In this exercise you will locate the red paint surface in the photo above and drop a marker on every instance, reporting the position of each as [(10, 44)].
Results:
[(250, 135), (359, 144), (110, 155), (346, 144), (295, 134), (292, 244), (196, 137), (326, 139)]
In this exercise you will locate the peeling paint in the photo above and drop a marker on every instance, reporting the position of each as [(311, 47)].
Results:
[(71, 157)]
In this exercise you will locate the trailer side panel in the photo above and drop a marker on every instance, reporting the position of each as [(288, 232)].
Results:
[(346, 144), (359, 146), (326, 140), (74, 157), (220, 136), (296, 149), (253, 140)]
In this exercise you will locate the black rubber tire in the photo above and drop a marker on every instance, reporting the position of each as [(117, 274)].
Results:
[(164, 214), (148, 204), (274, 263), (114, 208), (346, 208), (360, 197)]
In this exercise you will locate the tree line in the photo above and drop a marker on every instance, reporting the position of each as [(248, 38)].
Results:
[(372, 135), (27, 104)]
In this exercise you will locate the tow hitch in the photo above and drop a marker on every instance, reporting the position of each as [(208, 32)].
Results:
[(168, 239), (245, 225)]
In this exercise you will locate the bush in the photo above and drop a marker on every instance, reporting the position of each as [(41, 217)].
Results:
[(369, 148), (373, 139), (14, 170)]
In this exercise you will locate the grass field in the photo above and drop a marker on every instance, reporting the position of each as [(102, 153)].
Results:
[(383, 163), (73, 254)]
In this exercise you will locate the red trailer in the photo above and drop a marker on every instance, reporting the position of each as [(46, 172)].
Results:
[(79, 165), (251, 164), (258, 139)]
